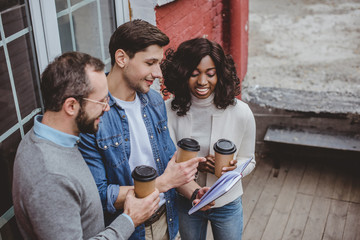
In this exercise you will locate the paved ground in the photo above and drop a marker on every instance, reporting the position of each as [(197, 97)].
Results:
[(311, 47)]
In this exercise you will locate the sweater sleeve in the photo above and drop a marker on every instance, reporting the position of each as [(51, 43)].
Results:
[(121, 228), (171, 120), (54, 209), (247, 147)]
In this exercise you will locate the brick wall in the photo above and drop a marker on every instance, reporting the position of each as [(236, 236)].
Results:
[(185, 19)]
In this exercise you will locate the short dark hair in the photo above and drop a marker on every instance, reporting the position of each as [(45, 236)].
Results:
[(179, 65), (66, 77), (135, 36)]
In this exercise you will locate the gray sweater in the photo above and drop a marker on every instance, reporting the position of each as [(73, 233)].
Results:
[(55, 195)]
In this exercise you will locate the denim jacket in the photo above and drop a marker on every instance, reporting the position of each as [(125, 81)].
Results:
[(107, 154)]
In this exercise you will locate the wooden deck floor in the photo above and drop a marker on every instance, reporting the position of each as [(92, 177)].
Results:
[(309, 199)]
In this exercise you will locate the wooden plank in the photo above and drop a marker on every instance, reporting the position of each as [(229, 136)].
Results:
[(280, 214), (315, 224), (327, 180), (311, 178), (335, 224), (355, 187), (255, 187), (342, 188), (298, 217), (352, 225), (262, 212), (246, 180)]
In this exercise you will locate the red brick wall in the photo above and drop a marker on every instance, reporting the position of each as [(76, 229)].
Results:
[(223, 21), (185, 19)]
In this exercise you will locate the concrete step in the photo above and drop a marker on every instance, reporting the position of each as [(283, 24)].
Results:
[(313, 137)]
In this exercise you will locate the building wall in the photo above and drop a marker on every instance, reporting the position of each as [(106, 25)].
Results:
[(223, 21), (185, 19)]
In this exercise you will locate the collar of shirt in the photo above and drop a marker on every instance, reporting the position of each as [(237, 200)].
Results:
[(45, 132), (142, 97)]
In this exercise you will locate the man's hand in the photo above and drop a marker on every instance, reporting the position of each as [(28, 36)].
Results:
[(201, 193), (208, 166), (233, 166), (178, 174), (140, 209)]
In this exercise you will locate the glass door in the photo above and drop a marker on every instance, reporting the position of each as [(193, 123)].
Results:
[(20, 98)]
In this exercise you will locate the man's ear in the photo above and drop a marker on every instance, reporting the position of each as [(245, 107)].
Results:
[(121, 58), (71, 106)]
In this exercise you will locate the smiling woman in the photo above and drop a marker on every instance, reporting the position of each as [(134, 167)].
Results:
[(204, 82)]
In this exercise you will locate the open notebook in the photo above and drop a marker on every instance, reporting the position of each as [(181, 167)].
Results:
[(220, 187)]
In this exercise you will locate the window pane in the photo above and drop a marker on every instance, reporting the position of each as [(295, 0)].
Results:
[(88, 34), (14, 20), (20, 57), (73, 2), (29, 125), (7, 154), (60, 5), (7, 107), (86, 29), (108, 23), (22, 64), (65, 34), (10, 231), (6, 4)]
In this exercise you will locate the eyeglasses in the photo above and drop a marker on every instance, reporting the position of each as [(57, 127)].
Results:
[(105, 103)]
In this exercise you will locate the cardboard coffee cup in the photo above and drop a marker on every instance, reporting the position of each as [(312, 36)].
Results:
[(224, 153), (187, 148), (144, 180)]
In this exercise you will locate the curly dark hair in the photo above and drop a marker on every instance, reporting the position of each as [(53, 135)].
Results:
[(178, 67)]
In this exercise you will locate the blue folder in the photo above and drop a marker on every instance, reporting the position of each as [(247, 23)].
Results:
[(220, 187)]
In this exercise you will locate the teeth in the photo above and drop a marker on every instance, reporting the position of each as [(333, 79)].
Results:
[(202, 89)]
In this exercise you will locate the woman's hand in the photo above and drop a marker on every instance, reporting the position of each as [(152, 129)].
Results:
[(232, 167), (201, 193), (208, 166)]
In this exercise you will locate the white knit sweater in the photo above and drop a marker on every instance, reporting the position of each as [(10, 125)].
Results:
[(207, 124)]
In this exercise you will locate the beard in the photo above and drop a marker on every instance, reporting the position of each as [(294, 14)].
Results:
[(86, 124)]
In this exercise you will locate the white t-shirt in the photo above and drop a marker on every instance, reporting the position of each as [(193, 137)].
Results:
[(140, 147)]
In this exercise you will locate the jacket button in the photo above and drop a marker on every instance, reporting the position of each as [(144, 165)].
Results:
[(152, 136), (105, 147), (123, 116), (157, 160), (116, 143), (144, 115), (170, 219), (165, 127), (126, 139)]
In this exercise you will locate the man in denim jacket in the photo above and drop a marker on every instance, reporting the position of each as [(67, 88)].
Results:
[(134, 132)]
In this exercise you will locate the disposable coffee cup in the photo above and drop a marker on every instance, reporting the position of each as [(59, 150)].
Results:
[(187, 148), (144, 180), (224, 153)]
